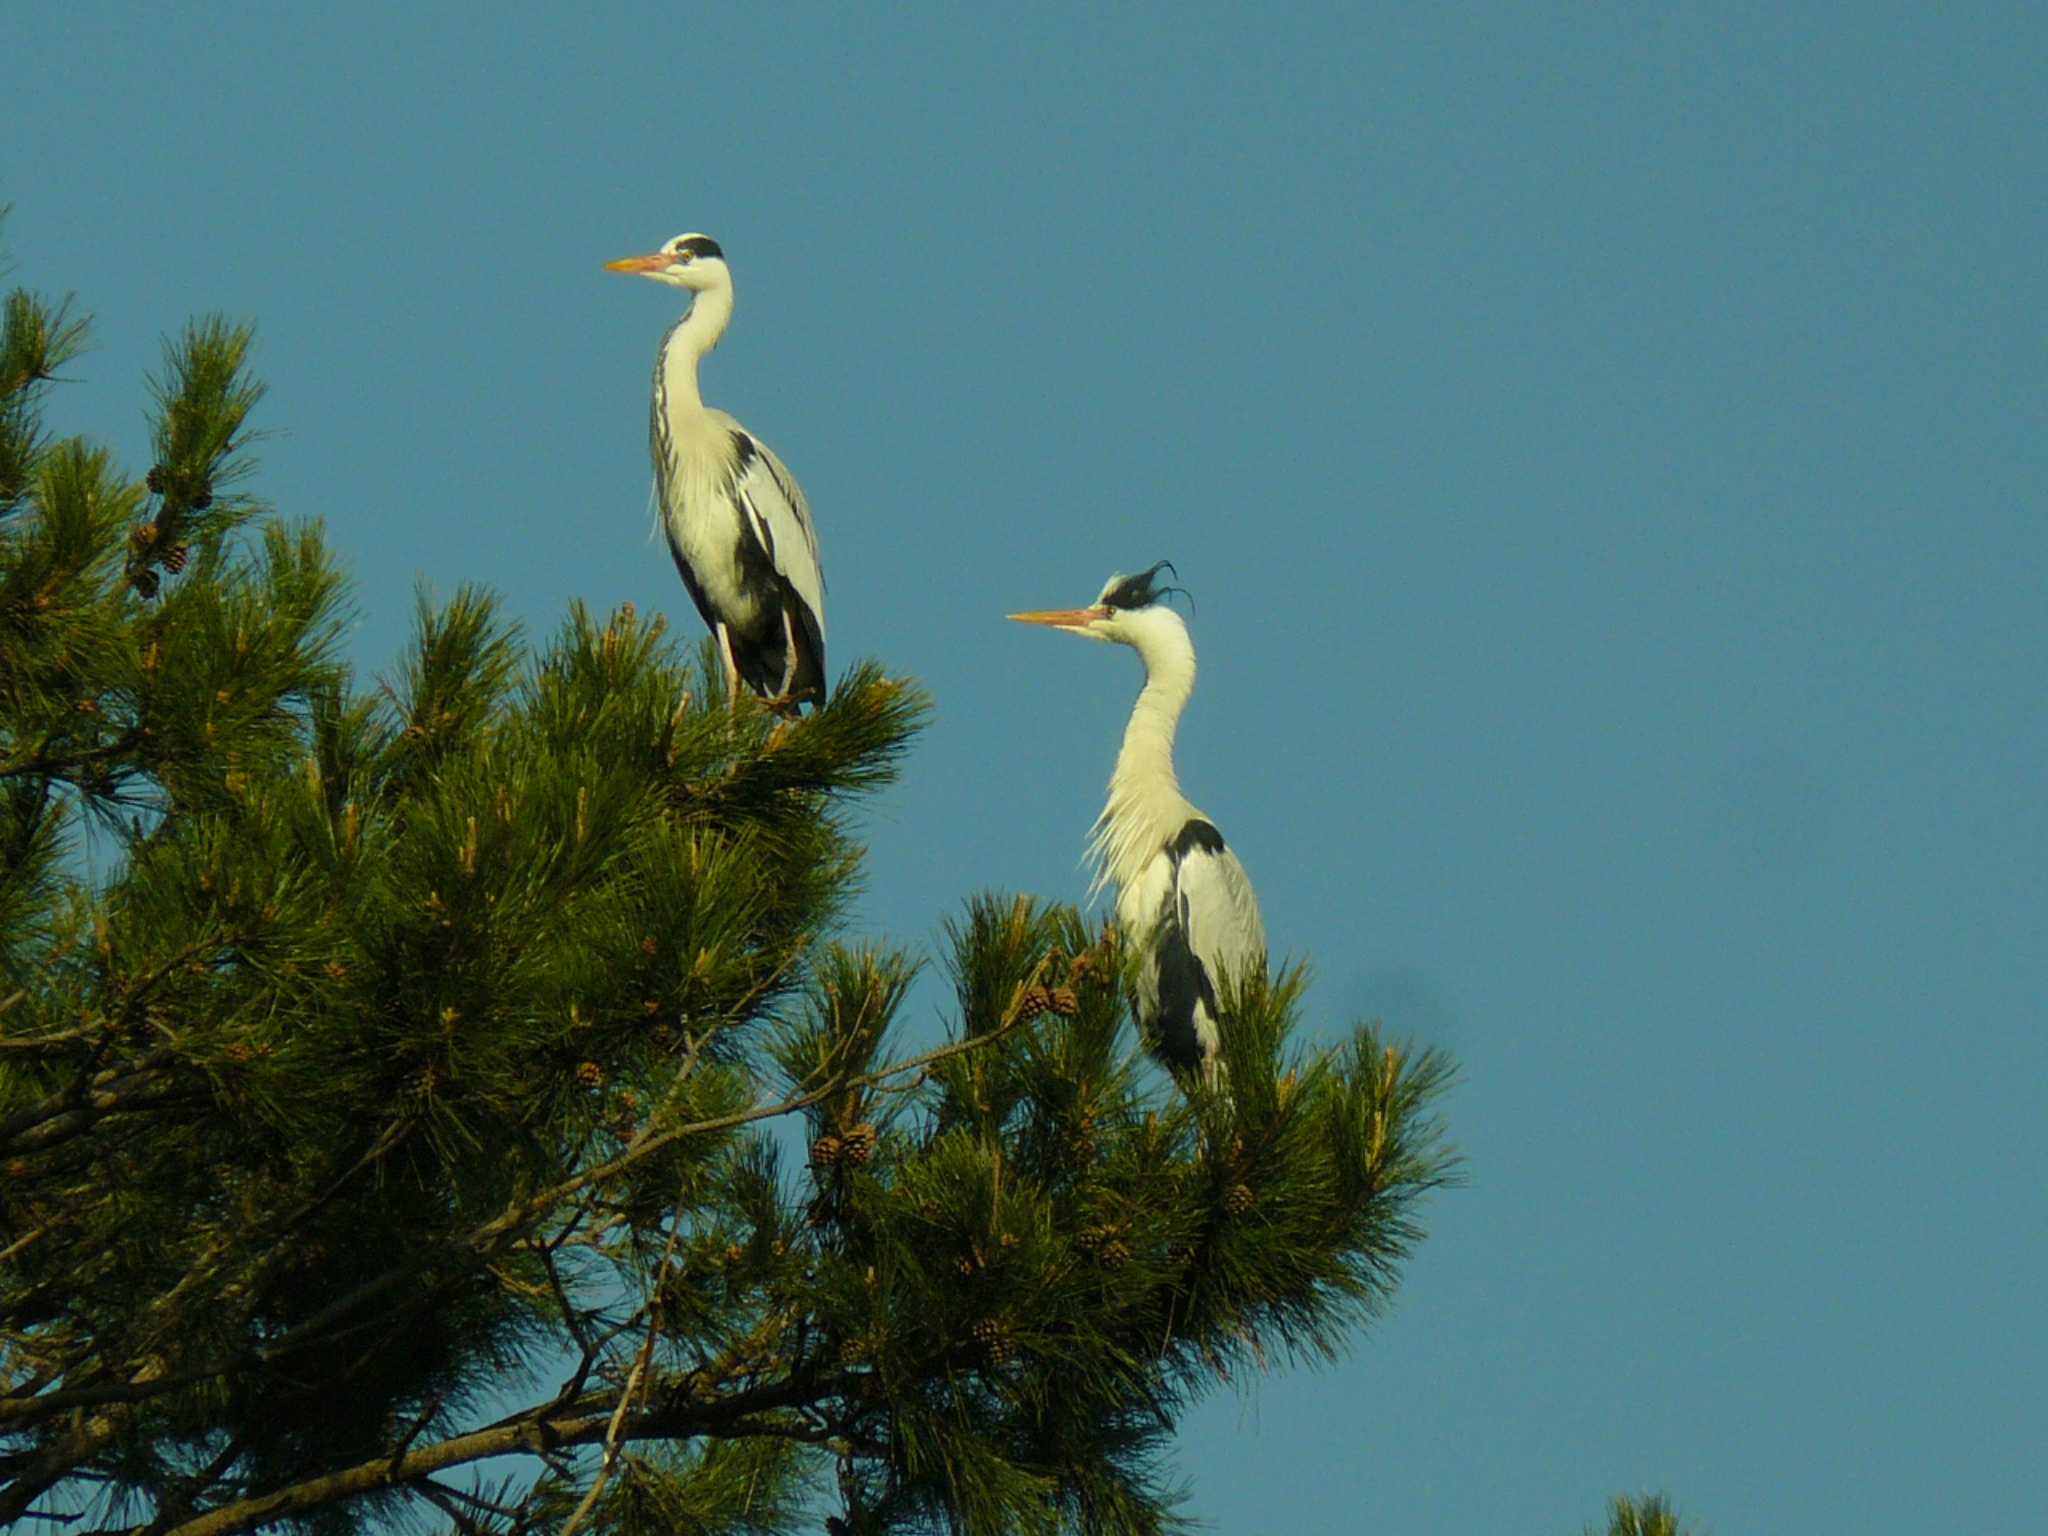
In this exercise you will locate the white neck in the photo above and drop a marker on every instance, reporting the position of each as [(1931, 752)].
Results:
[(693, 335), (1146, 809)]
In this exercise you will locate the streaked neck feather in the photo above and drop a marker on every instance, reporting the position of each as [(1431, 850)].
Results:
[(685, 345)]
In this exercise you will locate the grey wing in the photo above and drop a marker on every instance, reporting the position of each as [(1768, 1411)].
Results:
[(781, 519), (1208, 924), (1219, 911)]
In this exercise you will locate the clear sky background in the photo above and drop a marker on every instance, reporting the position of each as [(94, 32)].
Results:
[(1606, 445)]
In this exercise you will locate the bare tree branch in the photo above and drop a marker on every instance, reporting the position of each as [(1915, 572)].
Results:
[(633, 1381)]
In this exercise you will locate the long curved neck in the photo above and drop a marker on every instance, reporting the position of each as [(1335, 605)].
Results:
[(1146, 809), (685, 345), (1146, 757)]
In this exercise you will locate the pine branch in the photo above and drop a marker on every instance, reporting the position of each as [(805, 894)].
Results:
[(1650, 1515), (524, 1214), (36, 340), (613, 1436), (727, 1418), (101, 1094)]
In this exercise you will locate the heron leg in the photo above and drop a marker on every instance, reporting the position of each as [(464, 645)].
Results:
[(784, 703), (732, 668)]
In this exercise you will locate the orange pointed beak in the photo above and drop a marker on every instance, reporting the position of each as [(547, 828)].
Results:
[(653, 263), (1060, 618)]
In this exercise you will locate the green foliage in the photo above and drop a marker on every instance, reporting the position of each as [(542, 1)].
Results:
[(35, 341), (1049, 1252), (408, 1050), (1650, 1515)]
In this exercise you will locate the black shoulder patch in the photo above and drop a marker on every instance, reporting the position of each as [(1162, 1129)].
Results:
[(702, 245), (742, 451), (1196, 834)]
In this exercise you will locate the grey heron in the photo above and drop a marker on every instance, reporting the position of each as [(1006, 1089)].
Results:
[(737, 524), (1182, 898)]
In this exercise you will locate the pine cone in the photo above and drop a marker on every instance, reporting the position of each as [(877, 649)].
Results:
[(1032, 1002), (175, 558), (1115, 1254), (858, 1144), (1064, 1003), (1238, 1199), (997, 1340), (590, 1074), (145, 582), (1081, 1140), (156, 479), (825, 1151)]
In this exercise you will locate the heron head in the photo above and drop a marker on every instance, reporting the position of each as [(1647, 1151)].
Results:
[(1128, 610), (688, 261)]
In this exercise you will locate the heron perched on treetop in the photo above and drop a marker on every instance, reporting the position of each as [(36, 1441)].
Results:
[(1182, 898), (737, 524)]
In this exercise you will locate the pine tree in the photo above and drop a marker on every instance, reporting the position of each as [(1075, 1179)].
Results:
[(1650, 1515), (398, 1079)]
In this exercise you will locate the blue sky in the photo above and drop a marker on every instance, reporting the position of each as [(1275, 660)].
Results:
[(1607, 448)]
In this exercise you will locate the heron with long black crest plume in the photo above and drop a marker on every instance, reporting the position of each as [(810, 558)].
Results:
[(1183, 900), (737, 524)]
